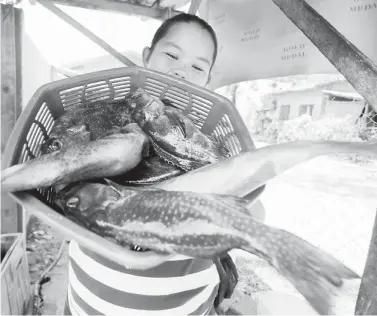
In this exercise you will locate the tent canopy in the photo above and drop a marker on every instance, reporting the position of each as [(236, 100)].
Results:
[(244, 28)]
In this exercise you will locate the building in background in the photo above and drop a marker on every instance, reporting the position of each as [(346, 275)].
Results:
[(336, 97)]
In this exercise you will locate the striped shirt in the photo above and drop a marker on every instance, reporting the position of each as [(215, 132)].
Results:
[(180, 286)]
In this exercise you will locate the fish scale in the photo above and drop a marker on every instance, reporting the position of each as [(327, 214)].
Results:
[(205, 225)]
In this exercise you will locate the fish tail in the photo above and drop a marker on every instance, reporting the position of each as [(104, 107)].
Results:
[(317, 275)]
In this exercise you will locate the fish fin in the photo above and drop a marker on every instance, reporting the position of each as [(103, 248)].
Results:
[(169, 103), (115, 186), (234, 202), (317, 275), (177, 122), (224, 151), (145, 189), (121, 189), (222, 148)]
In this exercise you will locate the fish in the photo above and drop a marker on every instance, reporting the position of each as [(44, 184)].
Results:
[(178, 145), (243, 175), (217, 182), (173, 136), (150, 170), (98, 140), (206, 226), (87, 141)]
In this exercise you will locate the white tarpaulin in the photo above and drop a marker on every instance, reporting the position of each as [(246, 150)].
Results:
[(257, 40)]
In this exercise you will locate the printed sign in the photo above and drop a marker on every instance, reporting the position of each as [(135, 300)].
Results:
[(257, 40)]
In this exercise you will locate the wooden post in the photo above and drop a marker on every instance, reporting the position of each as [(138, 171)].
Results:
[(357, 68), (11, 102), (194, 7), (367, 300), (64, 16), (126, 7)]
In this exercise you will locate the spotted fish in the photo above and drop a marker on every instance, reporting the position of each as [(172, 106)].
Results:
[(203, 225), (215, 216)]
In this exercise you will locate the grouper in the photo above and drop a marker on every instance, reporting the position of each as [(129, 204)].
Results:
[(193, 215), (105, 139), (88, 141)]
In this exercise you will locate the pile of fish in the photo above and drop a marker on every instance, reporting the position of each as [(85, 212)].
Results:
[(139, 172)]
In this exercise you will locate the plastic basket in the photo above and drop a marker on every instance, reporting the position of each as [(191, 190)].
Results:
[(212, 113), (16, 292)]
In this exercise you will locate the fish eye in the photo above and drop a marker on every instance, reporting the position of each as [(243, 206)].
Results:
[(56, 145), (73, 202)]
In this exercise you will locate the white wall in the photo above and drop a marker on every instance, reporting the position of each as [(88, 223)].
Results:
[(35, 69), (295, 99), (342, 109)]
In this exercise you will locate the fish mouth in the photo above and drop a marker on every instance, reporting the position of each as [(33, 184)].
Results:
[(137, 248)]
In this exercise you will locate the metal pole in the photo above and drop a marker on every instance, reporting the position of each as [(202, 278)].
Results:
[(64, 16), (357, 68), (366, 303)]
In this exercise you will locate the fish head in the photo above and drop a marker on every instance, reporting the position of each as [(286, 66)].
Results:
[(62, 138), (174, 137), (85, 199), (183, 144), (87, 141), (147, 111)]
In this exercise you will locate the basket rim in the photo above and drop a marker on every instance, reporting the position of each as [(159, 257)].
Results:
[(67, 227), (18, 131)]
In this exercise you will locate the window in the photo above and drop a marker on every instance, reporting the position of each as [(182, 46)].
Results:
[(284, 112), (306, 109)]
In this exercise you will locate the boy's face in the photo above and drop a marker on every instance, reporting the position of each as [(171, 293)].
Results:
[(186, 51)]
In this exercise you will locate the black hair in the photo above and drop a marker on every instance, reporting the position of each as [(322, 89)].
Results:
[(187, 18)]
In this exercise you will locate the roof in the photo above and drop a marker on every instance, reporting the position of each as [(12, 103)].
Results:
[(304, 83), (346, 95)]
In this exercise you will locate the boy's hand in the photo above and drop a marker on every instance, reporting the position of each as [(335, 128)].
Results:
[(228, 278)]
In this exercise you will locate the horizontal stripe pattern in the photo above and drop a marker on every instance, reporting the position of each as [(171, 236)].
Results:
[(141, 285), (108, 308), (99, 286), (80, 306), (170, 268), (131, 300), (203, 309), (206, 307)]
